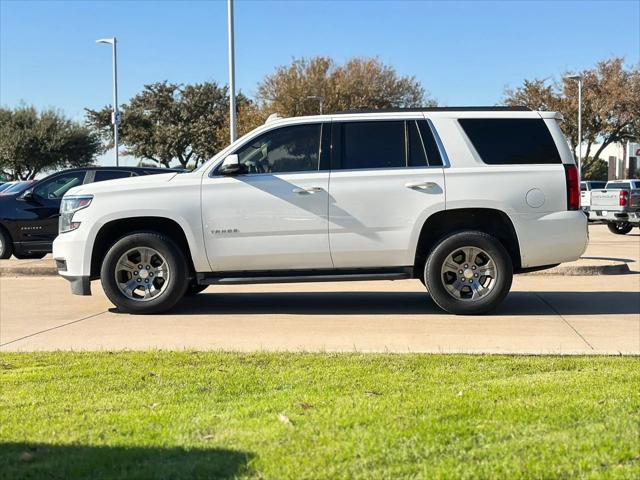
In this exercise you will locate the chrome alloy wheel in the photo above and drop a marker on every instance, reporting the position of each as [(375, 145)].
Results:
[(142, 274), (469, 273)]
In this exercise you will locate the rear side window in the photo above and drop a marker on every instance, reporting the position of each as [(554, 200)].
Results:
[(102, 175), (384, 144), (506, 141), (372, 145)]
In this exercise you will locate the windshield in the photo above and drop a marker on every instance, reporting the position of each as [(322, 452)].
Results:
[(597, 185), (16, 187)]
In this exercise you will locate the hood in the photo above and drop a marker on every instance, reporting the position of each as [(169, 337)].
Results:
[(123, 184)]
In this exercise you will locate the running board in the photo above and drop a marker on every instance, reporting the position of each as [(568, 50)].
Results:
[(208, 279)]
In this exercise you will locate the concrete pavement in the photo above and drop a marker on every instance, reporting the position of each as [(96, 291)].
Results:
[(543, 314)]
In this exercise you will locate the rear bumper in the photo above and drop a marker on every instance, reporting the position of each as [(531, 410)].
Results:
[(550, 239), (613, 216)]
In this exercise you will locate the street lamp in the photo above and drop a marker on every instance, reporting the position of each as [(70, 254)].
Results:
[(578, 78), (232, 73), (115, 116)]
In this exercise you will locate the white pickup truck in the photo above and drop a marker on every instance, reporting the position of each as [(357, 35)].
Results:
[(459, 198), (618, 205)]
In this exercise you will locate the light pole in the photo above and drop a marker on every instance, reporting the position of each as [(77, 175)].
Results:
[(578, 78), (115, 116), (232, 73)]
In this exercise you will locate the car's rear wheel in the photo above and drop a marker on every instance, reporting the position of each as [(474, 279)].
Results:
[(6, 246), (468, 273), (621, 228), (144, 272)]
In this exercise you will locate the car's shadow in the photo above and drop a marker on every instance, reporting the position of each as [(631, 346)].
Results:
[(33, 460), (400, 303)]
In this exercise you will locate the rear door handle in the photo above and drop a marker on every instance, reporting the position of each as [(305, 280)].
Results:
[(421, 185), (307, 191)]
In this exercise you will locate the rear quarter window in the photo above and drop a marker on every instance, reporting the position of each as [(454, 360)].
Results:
[(506, 141)]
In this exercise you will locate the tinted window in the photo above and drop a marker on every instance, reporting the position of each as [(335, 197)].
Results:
[(615, 185), (102, 175), (57, 186), (511, 141), (417, 155), (287, 149), (597, 185), (433, 154), (372, 144)]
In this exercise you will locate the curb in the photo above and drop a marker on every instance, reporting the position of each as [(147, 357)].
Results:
[(27, 271), (566, 270), (585, 270)]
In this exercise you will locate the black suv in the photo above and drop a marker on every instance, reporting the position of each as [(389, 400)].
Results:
[(29, 218)]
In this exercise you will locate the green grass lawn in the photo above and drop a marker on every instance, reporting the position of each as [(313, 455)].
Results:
[(221, 415)]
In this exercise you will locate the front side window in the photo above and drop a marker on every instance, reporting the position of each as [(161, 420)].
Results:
[(511, 141), (372, 144), (102, 175), (295, 148), (56, 187)]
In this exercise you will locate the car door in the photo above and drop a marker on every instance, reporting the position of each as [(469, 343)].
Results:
[(386, 178), (273, 215), (39, 209)]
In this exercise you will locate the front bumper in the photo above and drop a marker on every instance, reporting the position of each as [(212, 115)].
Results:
[(72, 261)]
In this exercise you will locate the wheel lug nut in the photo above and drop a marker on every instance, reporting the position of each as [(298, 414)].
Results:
[(473, 268), (135, 273), (460, 271), (140, 267), (148, 267), (466, 266), (475, 274), (146, 281), (151, 274), (139, 279)]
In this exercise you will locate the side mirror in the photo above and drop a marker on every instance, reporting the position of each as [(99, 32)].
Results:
[(230, 165), (27, 195)]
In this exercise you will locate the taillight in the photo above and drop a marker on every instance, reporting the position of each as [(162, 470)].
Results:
[(573, 186), (623, 199)]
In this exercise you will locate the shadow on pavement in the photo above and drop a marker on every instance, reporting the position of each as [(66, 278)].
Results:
[(402, 303), (28, 460)]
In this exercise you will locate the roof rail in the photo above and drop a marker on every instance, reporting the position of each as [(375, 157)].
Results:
[(439, 109)]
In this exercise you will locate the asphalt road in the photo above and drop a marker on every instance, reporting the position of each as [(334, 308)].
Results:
[(543, 314)]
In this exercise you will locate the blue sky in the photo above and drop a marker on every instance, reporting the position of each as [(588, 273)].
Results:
[(464, 53)]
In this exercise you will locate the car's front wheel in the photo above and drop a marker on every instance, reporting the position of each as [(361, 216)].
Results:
[(144, 272), (621, 228), (468, 273), (6, 247)]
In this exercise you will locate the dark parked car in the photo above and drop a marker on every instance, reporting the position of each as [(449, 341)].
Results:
[(29, 217)]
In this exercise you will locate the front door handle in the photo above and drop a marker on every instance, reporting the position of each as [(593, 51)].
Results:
[(307, 191), (421, 185)]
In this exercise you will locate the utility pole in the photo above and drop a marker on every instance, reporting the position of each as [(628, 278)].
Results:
[(232, 73)]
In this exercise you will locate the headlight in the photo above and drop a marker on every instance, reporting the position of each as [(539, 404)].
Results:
[(68, 207)]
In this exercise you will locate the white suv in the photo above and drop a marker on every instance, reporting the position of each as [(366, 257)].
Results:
[(459, 198)]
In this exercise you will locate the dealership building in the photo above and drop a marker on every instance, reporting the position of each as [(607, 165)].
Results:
[(623, 159)]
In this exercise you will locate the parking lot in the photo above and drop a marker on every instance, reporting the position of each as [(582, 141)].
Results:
[(571, 314)]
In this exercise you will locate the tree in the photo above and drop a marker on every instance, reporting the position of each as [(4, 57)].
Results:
[(595, 169), (167, 122), (610, 104), (300, 88), (33, 142)]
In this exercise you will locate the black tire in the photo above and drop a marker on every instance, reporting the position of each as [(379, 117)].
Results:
[(447, 246), (30, 256), (194, 289), (176, 284), (621, 228), (6, 244)]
